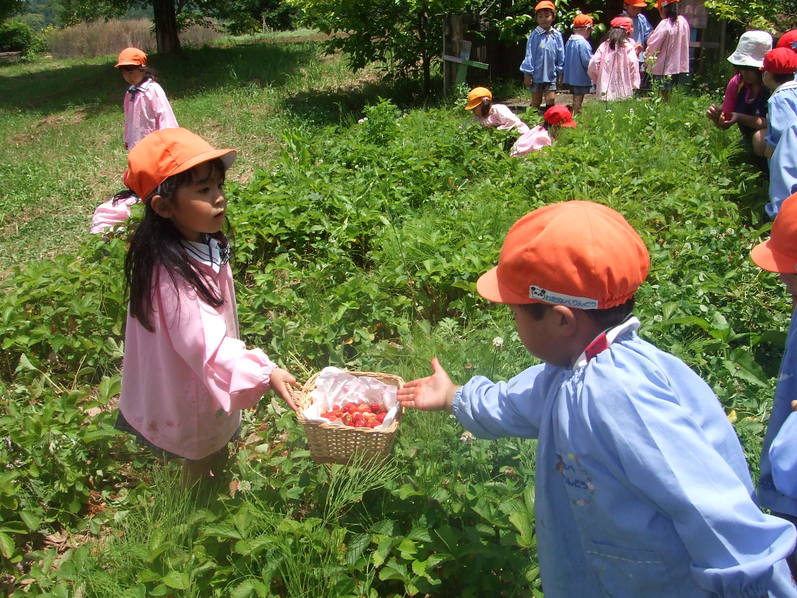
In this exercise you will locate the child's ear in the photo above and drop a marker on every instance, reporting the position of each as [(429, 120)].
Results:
[(566, 319), (162, 206)]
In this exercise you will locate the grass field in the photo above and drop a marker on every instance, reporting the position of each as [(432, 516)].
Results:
[(356, 244)]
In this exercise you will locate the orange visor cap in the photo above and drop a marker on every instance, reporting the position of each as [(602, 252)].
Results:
[(577, 253), (131, 57), (165, 153), (779, 252)]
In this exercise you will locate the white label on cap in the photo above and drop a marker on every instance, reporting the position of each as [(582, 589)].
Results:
[(541, 294)]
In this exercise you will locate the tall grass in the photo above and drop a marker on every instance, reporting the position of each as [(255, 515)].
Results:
[(98, 38)]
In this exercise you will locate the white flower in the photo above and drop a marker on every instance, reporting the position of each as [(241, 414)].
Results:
[(466, 437), (362, 120), (498, 342)]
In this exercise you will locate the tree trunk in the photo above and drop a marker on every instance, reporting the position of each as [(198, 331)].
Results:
[(166, 32)]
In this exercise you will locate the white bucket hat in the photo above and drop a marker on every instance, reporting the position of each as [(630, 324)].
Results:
[(751, 49)]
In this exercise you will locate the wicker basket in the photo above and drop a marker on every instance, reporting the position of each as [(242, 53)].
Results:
[(337, 443)]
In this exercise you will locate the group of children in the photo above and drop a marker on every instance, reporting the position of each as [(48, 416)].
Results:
[(642, 486), (630, 49)]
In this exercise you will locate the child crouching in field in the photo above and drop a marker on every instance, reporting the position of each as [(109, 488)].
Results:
[(489, 114), (642, 489), (185, 374), (777, 486)]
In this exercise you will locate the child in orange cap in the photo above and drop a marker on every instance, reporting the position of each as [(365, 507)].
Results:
[(146, 110), (545, 56), (634, 9), (614, 69), (185, 375), (641, 484), (490, 114), (668, 47), (777, 486), (578, 53)]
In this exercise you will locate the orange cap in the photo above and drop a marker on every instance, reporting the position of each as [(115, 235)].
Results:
[(476, 95), (131, 57), (622, 23), (559, 116), (577, 253), (637, 3), (779, 252), (167, 152), (545, 4), (582, 20), (663, 3)]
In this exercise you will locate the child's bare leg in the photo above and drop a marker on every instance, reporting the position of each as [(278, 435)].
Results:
[(550, 98), (536, 99), (194, 471), (759, 142), (577, 101)]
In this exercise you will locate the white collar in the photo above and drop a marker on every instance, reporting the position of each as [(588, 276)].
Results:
[(784, 86), (210, 253), (604, 340)]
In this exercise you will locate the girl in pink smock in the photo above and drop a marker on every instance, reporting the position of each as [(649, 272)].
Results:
[(146, 110), (185, 375), (667, 52), (480, 100), (614, 68)]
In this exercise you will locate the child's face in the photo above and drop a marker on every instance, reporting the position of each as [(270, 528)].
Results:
[(199, 206), (632, 10), (132, 74), (769, 80), (540, 337), (545, 18), (790, 280), (750, 75)]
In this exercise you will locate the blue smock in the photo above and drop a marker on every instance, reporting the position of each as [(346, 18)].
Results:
[(577, 55), (545, 55), (776, 486), (782, 111), (783, 171), (642, 489)]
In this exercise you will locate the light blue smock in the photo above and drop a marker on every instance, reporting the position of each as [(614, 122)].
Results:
[(577, 55), (545, 55), (783, 171), (780, 432), (642, 490), (781, 111)]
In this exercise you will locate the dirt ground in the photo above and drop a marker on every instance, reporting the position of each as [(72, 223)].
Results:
[(564, 98)]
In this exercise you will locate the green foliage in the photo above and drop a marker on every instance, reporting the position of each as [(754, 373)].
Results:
[(359, 245), (16, 36), (776, 17)]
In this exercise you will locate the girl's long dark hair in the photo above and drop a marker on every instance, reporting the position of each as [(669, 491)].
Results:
[(671, 11), (616, 35), (157, 241)]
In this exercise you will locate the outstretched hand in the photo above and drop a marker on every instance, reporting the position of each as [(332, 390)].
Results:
[(281, 383), (433, 393)]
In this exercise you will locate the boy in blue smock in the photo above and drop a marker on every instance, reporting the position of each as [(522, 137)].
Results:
[(777, 486), (578, 53), (642, 30), (545, 56), (642, 490), (779, 67)]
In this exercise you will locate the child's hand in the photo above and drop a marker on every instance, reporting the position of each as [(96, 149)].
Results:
[(433, 393), (713, 112), (794, 405), (281, 381)]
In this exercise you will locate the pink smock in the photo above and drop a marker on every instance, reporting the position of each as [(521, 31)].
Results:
[(110, 215), (532, 140), (671, 42), (184, 384), (615, 72), (146, 110)]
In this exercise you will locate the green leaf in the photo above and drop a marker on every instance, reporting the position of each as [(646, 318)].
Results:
[(177, 580), (7, 545)]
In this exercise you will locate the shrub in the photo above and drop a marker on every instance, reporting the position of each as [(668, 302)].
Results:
[(16, 36)]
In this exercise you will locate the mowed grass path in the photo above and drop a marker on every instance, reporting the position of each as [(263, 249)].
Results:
[(61, 125)]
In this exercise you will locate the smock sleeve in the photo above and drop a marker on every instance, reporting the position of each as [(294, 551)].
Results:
[(633, 67), (594, 66), (497, 409), (783, 457), (731, 93), (162, 109), (559, 61), (527, 66), (505, 118), (666, 457), (236, 377)]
